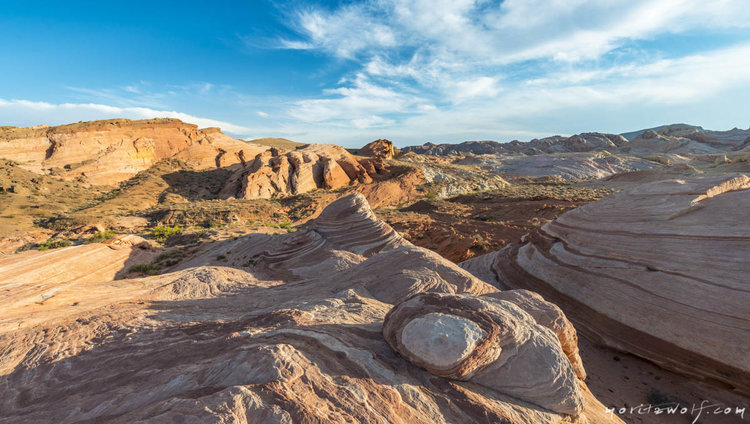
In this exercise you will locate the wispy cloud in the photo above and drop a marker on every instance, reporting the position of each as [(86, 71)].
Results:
[(359, 104), (451, 70), (20, 112), (474, 62)]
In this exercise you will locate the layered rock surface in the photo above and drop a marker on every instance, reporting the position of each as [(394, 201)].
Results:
[(568, 166), (108, 152), (294, 334), (488, 341), (659, 270)]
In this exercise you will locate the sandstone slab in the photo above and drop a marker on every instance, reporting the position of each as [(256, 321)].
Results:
[(659, 270)]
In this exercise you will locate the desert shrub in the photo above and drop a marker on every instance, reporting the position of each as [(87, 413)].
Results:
[(25, 247), (54, 244), (100, 236), (147, 269), (163, 232), (172, 257)]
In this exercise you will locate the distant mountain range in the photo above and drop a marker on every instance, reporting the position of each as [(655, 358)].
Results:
[(673, 138)]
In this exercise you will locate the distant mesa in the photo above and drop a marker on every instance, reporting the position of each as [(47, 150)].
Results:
[(108, 152), (670, 130), (675, 138), (584, 142), (279, 143)]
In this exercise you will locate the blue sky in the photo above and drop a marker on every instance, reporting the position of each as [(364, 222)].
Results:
[(348, 72)]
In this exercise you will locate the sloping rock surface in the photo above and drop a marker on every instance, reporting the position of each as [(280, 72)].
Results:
[(569, 166), (659, 270), (295, 335), (108, 152)]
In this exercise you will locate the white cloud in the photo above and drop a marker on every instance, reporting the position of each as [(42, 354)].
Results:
[(468, 66), (476, 87), (361, 104), (450, 70), (24, 112), (343, 32), (483, 31)]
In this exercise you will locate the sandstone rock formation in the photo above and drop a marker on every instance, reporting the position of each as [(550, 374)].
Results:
[(108, 152), (550, 316), (280, 173), (380, 148), (487, 341), (659, 270), (288, 329)]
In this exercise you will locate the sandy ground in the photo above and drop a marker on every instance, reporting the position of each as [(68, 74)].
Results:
[(620, 380)]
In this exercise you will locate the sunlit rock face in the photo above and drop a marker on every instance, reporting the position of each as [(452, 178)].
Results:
[(659, 270), (278, 173), (109, 152)]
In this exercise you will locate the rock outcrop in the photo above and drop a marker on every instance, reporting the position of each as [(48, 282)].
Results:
[(380, 148), (108, 152), (487, 341), (281, 173), (289, 329), (659, 270)]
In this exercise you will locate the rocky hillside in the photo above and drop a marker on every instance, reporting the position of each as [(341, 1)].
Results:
[(342, 321), (585, 142), (676, 138), (109, 152)]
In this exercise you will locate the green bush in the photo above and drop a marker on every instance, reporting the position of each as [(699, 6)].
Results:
[(147, 269), (54, 244), (163, 232), (100, 236), (170, 258), (25, 247)]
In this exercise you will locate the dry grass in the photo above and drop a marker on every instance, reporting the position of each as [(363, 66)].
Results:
[(280, 143)]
